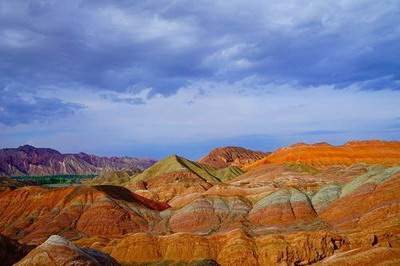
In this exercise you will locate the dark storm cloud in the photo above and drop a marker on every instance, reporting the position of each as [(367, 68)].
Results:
[(163, 44), (194, 60)]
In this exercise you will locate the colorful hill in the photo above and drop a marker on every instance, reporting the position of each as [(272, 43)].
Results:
[(231, 156), (311, 207), (323, 154), (184, 176)]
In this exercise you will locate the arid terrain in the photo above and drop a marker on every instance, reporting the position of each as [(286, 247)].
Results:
[(304, 204)]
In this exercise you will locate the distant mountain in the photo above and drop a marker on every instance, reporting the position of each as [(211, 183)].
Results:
[(28, 160), (231, 156), (324, 154)]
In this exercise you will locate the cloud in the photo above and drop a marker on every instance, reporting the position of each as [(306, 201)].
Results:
[(137, 72), (19, 108), (120, 99), (163, 44), (204, 111)]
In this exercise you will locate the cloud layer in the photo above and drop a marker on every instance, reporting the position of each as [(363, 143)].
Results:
[(141, 73)]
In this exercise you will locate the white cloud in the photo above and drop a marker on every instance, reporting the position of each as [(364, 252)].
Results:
[(211, 110)]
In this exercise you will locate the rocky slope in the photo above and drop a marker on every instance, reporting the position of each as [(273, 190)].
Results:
[(28, 160), (323, 154), (231, 156)]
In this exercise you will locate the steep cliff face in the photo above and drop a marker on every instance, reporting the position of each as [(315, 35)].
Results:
[(28, 160), (231, 156), (323, 154)]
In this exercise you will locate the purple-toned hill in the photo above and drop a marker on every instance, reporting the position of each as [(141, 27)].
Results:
[(29, 160)]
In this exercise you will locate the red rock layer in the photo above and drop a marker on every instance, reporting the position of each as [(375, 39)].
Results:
[(283, 214), (31, 214), (231, 156), (323, 154), (232, 248)]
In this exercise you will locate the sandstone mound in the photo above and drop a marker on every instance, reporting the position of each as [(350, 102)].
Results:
[(182, 175), (59, 251), (323, 154), (231, 156), (283, 207), (31, 214), (210, 214)]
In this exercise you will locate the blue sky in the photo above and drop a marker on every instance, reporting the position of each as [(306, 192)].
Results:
[(151, 78)]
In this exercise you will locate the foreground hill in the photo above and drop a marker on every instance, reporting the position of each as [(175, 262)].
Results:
[(31, 214), (324, 154), (231, 156), (59, 251), (28, 160)]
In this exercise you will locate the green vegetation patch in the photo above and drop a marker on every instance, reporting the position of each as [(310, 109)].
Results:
[(53, 179)]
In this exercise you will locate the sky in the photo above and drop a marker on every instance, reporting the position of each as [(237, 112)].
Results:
[(153, 78)]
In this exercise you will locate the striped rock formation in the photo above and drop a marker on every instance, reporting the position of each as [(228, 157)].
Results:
[(323, 154)]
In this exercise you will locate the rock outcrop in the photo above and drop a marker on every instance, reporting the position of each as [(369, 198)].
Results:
[(59, 251)]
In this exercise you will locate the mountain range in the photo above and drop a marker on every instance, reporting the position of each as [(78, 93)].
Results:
[(305, 204), (28, 160)]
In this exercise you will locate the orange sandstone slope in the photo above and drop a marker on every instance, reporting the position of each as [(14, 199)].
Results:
[(231, 156), (32, 214), (323, 154)]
